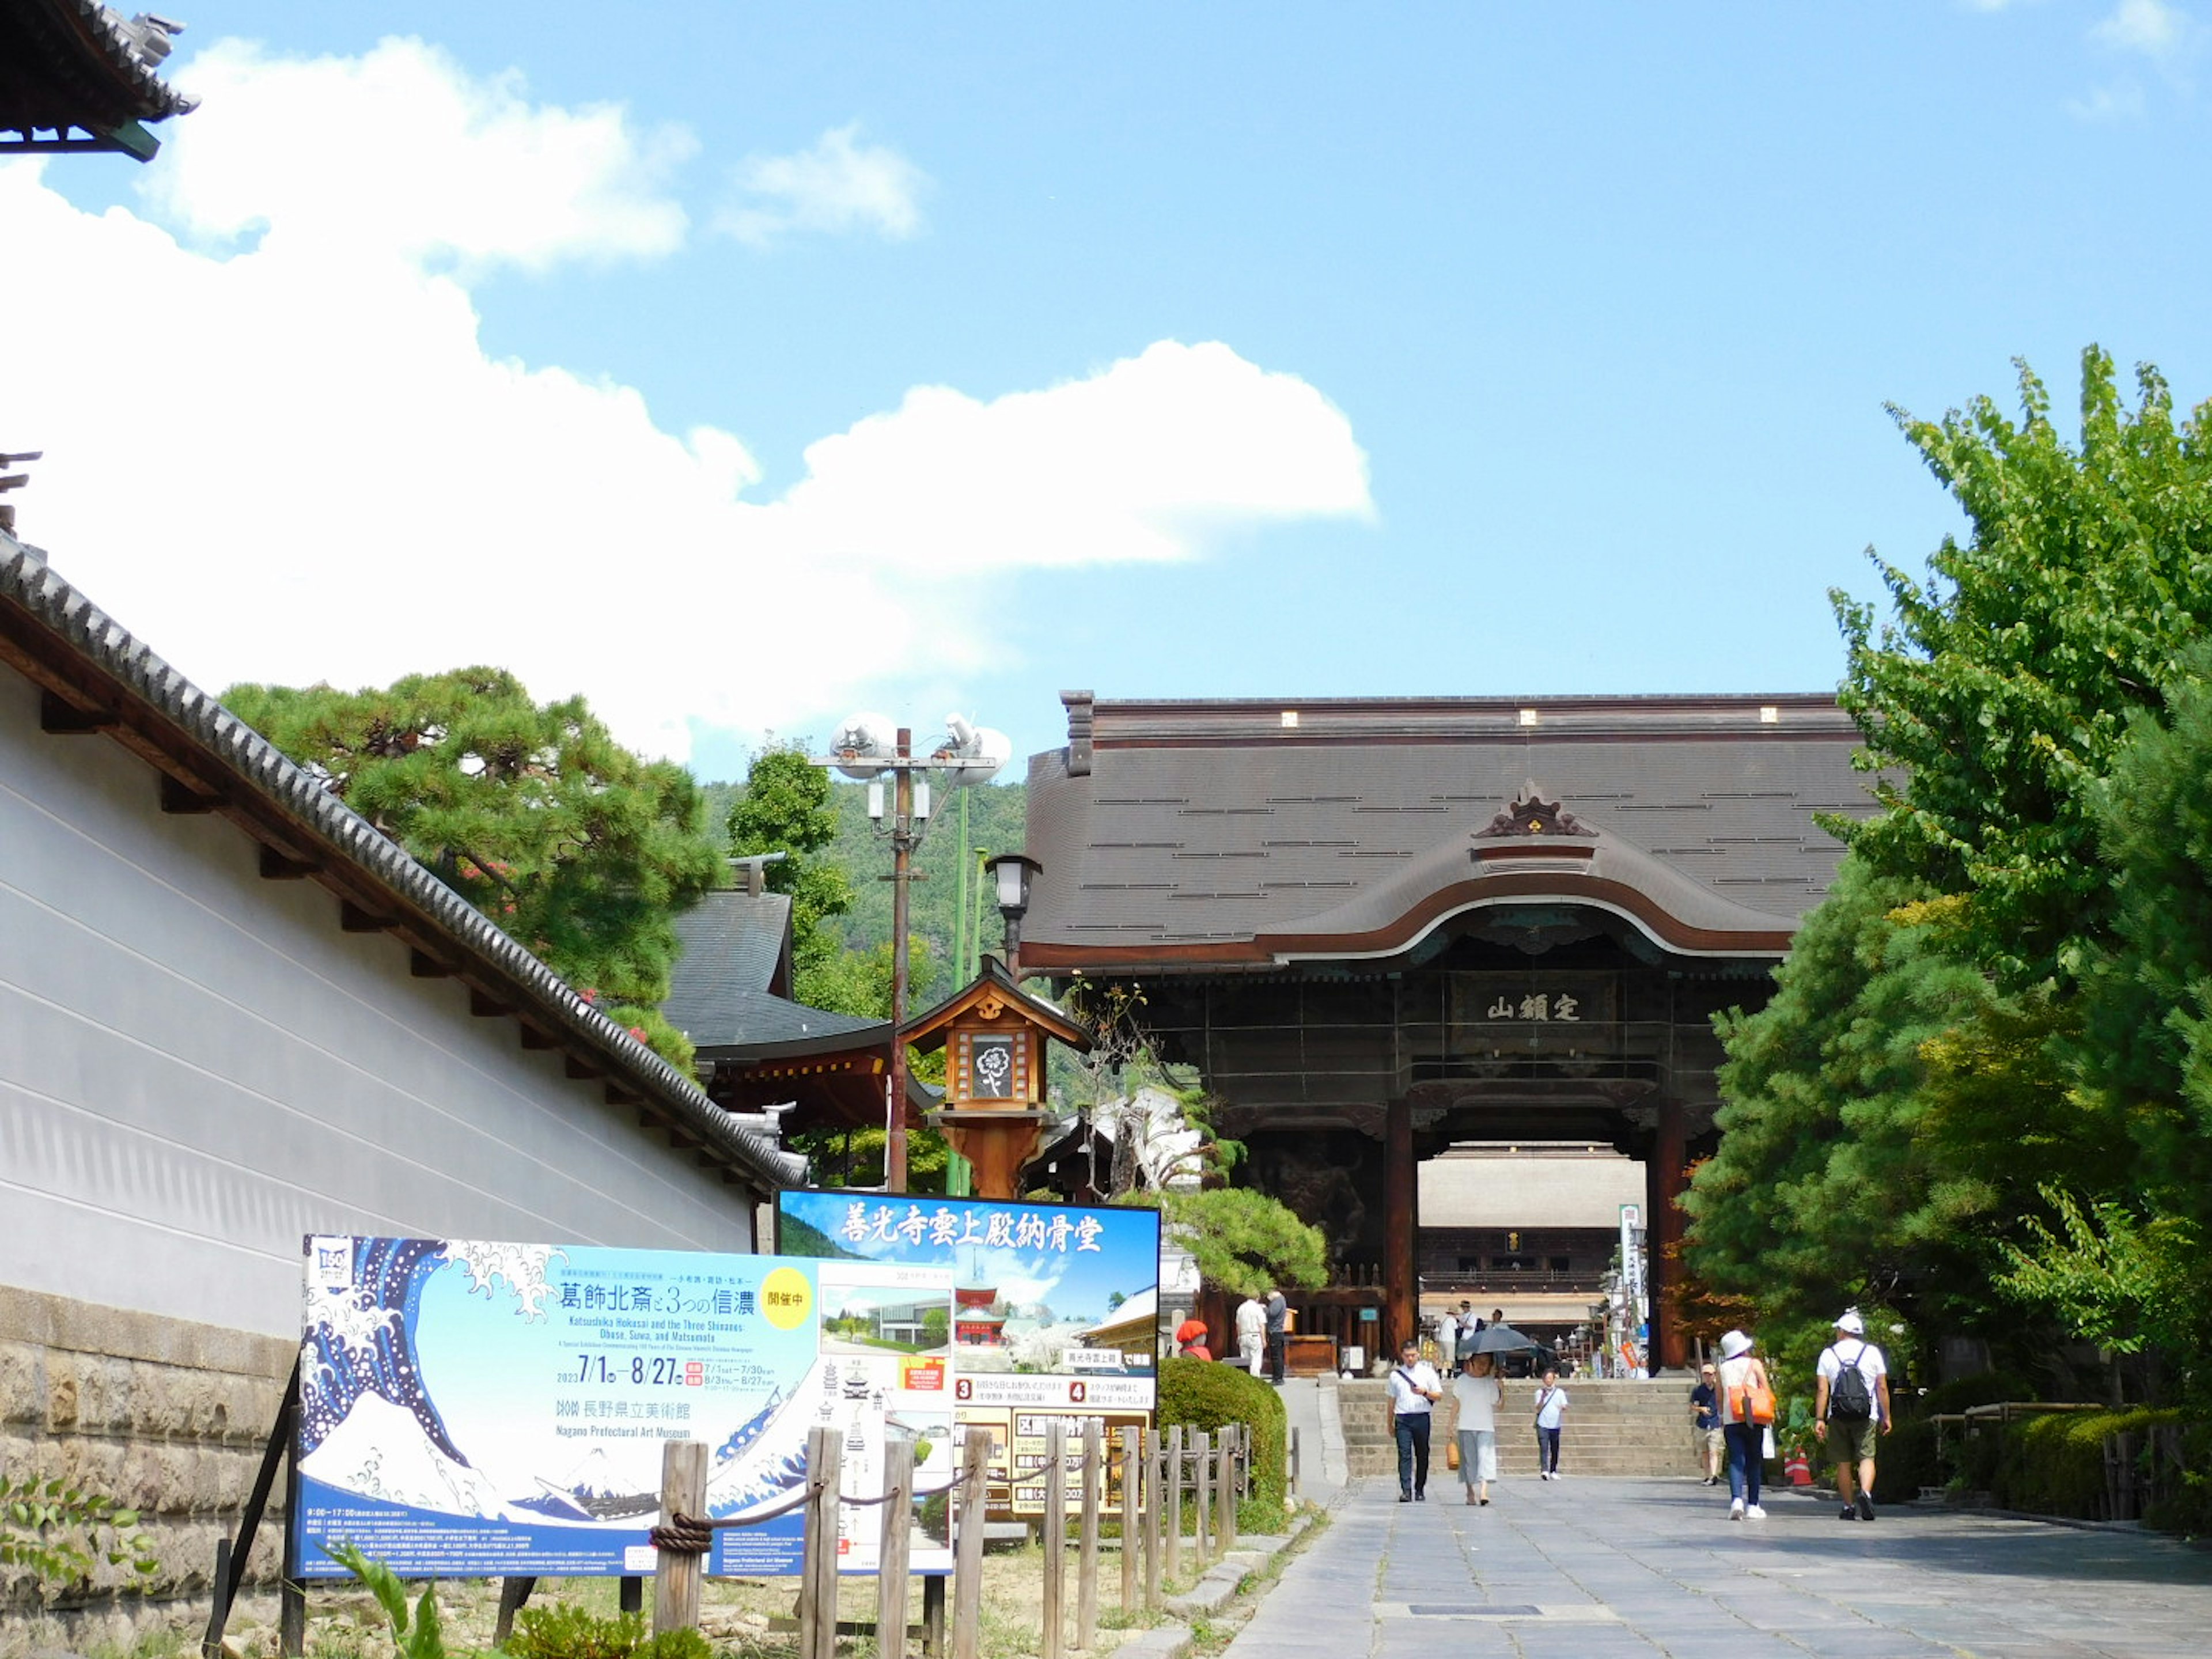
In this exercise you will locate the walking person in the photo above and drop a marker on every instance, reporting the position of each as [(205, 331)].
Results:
[(1414, 1391), (1480, 1394), (1850, 1411), (1448, 1342), (1705, 1422), (1251, 1332), (1741, 1371), (1279, 1333), (1551, 1415)]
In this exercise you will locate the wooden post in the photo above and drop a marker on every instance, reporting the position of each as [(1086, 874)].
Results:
[(1202, 1479), (513, 1593), (967, 1547), (1152, 1506), (897, 1540), (677, 1577), (1055, 1535), (1174, 1517), (1225, 1483), (1133, 1441), (828, 1560), (933, 1608), (1400, 1237), (810, 1588), (1294, 1464), (1086, 1561)]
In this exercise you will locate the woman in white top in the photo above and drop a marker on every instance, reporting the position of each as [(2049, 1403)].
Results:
[(1480, 1394), (1742, 1370)]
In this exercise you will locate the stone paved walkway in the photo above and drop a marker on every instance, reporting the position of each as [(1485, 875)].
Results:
[(1592, 1569)]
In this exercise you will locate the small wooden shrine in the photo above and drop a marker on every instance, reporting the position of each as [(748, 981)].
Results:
[(993, 1035)]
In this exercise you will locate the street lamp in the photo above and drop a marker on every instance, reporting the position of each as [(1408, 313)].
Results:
[(1012, 873), (866, 748)]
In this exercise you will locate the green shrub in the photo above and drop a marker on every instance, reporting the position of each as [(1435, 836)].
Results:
[(1205, 1394), (2055, 1464), (61, 1534), (565, 1630)]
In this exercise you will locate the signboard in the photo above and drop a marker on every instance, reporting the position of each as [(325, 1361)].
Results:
[(1056, 1309), (471, 1408)]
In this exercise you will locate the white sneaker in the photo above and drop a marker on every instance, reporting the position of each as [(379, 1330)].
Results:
[(1754, 1513), (1736, 1509)]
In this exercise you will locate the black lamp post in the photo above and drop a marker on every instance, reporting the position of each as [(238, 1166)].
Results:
[(1013, 873)]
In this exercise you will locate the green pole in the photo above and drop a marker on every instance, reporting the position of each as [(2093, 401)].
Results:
[(958, 1177)]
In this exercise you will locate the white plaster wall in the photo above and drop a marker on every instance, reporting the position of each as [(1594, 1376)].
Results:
[(198, 1066), (1533, 1189)]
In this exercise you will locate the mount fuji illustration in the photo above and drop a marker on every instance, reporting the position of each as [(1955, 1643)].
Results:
[(379, 1450)]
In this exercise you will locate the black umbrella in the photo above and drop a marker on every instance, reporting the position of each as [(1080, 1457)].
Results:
[(1498, 1339)]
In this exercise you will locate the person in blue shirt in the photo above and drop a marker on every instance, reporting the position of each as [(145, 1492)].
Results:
[(1705, 1420)]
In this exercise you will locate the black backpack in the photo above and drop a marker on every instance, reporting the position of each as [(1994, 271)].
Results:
[(1849, 1395)]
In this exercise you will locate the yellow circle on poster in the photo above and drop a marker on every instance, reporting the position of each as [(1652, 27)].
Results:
[(786, 1299)]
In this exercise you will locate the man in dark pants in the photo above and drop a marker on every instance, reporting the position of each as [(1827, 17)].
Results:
[(1414, 1389), (1278, 1332)]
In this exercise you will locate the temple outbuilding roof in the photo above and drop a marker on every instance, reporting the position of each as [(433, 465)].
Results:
[(1252, 834), (78, 75)]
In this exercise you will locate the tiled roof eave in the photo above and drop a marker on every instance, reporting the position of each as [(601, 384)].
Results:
[(49, 621)]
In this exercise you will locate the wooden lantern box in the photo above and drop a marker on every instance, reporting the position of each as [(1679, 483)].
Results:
[(993, 1035)]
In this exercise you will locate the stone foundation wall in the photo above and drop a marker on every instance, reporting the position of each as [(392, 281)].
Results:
[(164, 1415)]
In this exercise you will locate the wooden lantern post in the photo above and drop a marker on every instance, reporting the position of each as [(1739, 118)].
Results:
[(994, 1035)]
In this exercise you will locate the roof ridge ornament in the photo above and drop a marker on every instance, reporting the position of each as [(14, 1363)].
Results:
[(1530, 814)]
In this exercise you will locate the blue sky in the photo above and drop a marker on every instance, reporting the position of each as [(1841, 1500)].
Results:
[(742, 365)]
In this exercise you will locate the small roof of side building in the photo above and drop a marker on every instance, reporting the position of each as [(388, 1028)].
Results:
[(93, 676), (1228, 836), (83, 76)]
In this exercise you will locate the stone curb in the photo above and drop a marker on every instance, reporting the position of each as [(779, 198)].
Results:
[(1216, 1587), (1161, 1642)]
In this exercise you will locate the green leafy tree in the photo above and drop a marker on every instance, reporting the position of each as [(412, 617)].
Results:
[(787, 808), (1995, 698), (581, 850), (1836, 1179), (1242, 1240)]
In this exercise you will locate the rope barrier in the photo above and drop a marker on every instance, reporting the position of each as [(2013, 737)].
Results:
[(691, 1535)]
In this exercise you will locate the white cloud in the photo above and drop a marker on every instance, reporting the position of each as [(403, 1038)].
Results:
[(2153, 27), (399, 152), (291, 459), (2122, 101), (836, 187)]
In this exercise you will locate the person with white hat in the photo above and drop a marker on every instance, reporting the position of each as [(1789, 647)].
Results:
[(1741, 1373), (1851, 1410)]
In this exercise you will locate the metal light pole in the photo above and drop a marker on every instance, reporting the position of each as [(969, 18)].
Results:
[(968, 755)]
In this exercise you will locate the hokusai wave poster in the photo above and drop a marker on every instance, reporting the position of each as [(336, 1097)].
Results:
[(476, 1408)]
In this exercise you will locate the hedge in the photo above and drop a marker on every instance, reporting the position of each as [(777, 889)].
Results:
[(1205, 1394)]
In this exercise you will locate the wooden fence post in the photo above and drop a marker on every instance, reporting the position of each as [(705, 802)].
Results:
[(1086, 1560), (833, 1527), (1225, 1483), (968, 1546), (1173, 1519), (677, 1577), (819, 1441), (897, 1540), (1152, 1506), (1055, 1535), (1132, 1441), (1201, 1478)]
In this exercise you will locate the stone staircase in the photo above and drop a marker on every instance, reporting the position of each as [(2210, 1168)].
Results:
[(1612, 1428)]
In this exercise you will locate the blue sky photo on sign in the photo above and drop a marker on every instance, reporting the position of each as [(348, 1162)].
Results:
[(739, 366)]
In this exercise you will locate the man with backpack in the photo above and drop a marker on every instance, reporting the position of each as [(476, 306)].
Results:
[(1851, 1410)]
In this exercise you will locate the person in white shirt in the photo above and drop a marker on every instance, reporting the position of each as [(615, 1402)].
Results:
[(1415, 1389), (1849, 1420), (1252, 1333), (1480, 1394), (1551, 1417), (1448, 1341), (1741, 1371)]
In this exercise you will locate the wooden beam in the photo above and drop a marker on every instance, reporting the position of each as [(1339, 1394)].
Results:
[(422, 967), (577, 1069), (65, 719), (181, 799), (487, 1007), (274, 867), (534, 1038), (354, 919)]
